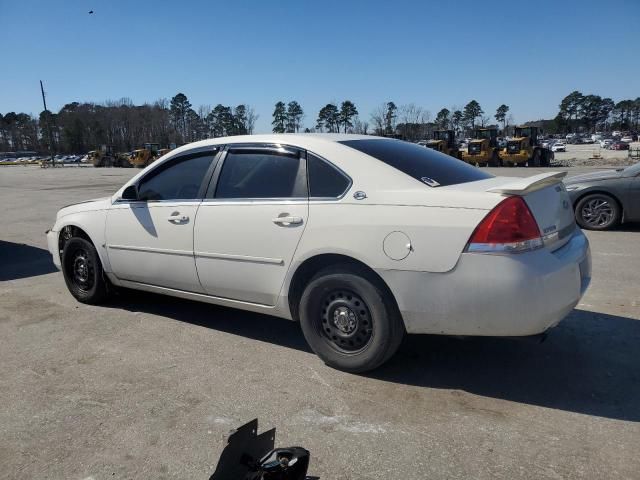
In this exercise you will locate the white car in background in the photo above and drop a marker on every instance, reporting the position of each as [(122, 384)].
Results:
[(627, 139), (559, 147), (606, 143), (361, 239)]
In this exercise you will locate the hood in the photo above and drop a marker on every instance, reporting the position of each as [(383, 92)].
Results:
[(593, 177), (87, 205)]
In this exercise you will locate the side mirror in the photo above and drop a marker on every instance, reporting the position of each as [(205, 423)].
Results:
[(130, 193)]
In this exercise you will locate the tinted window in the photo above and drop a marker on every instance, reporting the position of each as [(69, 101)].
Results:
[(260, 175), (423, 164), (324, 179), (176, 180)]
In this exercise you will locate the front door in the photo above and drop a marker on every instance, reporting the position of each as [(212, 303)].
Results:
[(251, 222), (151, 240)]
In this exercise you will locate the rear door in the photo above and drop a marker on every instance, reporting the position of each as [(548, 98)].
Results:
[(251, 222)]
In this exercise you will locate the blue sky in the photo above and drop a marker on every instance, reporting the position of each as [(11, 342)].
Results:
[(527, 54)]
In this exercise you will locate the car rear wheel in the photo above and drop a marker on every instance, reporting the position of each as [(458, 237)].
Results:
[(83, 273), (349, 320), (598, 212)]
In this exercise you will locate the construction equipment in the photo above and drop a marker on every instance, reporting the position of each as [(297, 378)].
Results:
[(143, 157), (525, 147), (483, 148), (445, 141), (107, 157)]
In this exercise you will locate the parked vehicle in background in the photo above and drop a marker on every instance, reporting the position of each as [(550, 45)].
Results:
[(606, 142), (627, 139), (619, 146), (605, 199), (596, 138), (445, 141), (483, 149), (559, 147), (358, 238), (525, 147)]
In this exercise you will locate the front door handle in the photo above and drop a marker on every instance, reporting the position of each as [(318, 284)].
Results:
[(175, 217), (287, 220)]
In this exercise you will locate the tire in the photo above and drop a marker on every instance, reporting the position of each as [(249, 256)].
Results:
[(349, 320), (535, 159), (495, 160), (598, 211), (83, 272)]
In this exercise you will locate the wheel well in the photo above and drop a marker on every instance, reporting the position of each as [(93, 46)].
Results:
[(68, 232), (601, 192), (313, 265)]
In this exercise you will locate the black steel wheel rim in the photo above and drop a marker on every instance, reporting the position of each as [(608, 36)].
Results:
[(81, 270), (597, 212), (345, 321)]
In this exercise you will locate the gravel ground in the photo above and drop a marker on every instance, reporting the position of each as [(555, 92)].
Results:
[(146, 386), (583, 156)]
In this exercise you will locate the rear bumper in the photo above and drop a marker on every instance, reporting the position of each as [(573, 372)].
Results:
[(495, 295), (52, 244)]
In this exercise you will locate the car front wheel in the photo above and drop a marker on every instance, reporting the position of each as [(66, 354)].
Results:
[(83, 273), (349, 320), (598, 212)]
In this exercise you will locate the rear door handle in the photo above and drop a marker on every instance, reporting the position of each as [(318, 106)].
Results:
[(287, 220), (175, 217)]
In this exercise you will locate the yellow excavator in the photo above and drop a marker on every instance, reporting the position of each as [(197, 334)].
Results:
[(445, 141), (483, 148), (106, 156), (143, 157), (524, 147)]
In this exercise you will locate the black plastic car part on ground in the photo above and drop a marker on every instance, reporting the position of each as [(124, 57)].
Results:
[(249, 456)]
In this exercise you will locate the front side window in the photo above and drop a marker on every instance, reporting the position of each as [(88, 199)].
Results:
[(178, 179), (261, 174), (325, 181)]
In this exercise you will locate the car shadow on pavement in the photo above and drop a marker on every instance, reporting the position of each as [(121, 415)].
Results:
[(589, 364), (18, 260), (264, 328)]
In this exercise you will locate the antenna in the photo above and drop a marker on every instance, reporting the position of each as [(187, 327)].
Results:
[(44, 102)]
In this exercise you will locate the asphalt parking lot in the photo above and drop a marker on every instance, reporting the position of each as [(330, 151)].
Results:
[(146, 386)]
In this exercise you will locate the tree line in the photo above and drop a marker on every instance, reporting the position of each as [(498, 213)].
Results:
[(79, 127)]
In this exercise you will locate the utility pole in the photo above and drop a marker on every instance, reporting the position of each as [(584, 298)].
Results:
[(44, 102)]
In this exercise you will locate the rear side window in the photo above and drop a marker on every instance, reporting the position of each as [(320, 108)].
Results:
[(424, 164), (256, 174), (325, 181)]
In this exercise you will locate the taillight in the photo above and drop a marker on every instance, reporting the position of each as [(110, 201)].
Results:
[(508, 228)]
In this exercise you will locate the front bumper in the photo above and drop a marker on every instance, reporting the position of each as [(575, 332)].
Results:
[(52, 244), (495, 295), (514, 157)]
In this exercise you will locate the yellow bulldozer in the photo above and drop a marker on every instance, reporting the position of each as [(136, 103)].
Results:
[(525, 147), (143, 157), (106, 156), (445, 141), (483, 148)]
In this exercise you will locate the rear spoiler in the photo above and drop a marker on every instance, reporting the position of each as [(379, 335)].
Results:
[(520, 186)]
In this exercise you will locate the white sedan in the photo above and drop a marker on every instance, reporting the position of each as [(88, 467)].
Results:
[(559, 147), (361, 239)]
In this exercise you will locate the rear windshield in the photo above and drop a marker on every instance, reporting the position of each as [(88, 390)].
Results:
[(424, 164)]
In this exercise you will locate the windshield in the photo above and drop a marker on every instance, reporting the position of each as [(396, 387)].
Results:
[(426, 165)]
